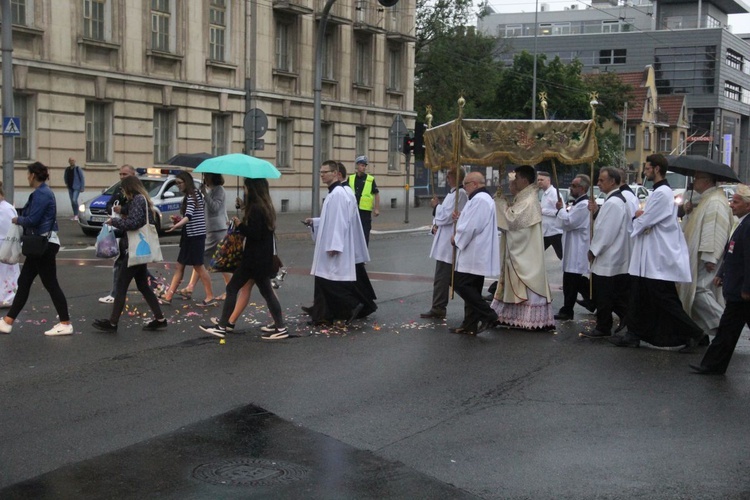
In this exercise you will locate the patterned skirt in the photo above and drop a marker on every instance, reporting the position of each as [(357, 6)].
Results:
[(534, 314)]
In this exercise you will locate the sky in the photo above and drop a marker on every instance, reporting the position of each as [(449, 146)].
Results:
[(740, 23)]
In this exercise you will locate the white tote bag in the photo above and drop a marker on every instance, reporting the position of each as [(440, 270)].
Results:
[(10, 249), (143, 246)]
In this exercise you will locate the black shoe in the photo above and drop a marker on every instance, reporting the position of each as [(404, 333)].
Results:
[(620, 326), (432, 315), (705, 341), (595, 334), (104, 325), (462, 331), (702, 370), (563, 316), (587, 304), (690, 346), (307, 310), (355, 313), (627, 340), (321, 322), (156, 324)]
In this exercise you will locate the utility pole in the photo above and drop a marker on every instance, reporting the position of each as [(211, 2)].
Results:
[(7, 99)]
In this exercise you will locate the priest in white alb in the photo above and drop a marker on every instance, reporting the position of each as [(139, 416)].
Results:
[(523, 298)]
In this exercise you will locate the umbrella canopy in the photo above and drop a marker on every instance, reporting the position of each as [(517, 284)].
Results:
[(690, 164), (240, 165), (190, 160)]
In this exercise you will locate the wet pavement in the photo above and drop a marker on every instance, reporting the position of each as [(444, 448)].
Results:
[(245, 453)]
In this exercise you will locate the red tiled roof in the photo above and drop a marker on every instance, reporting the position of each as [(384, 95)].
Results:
[(672, 106), (636, 105)]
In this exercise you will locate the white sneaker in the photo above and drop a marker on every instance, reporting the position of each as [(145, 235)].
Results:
[(5, 327), (107, 300), (74, 218), (59, 329)]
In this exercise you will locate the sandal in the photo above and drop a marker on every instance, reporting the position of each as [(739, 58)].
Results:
[(223, 296), (185, 293), (164, 300), (207, 303)]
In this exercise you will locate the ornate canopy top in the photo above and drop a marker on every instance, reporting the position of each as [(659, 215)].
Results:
[(523, 142)]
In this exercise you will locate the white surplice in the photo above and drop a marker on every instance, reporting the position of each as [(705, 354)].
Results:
[(550, 226), (611, 242), (8, 272), (476, 237), (442, 249), (659, 248), (338, 229), (575, 225)]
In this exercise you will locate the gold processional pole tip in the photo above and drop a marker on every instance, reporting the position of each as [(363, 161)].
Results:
[(461, 102), (593, 102), (428, 116), (543, 101)]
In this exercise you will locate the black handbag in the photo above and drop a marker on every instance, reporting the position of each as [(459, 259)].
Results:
[(34, 245)]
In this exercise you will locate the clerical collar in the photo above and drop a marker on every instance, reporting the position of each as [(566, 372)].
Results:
[(625, 187), (480, 190), (661, 183), (334, 185), (581, 198)]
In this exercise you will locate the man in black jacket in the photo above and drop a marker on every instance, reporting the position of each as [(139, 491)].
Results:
[(734, 278)]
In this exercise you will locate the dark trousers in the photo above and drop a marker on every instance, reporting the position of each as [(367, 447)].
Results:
[(340, 298), (655, 314), (117, 269), (127, 274), (736, 315), (441, 286), (573, 284), (556, 241), (363, 292), (241, 276), (476, 309), (610, 295), (366, 217), (45, 267)]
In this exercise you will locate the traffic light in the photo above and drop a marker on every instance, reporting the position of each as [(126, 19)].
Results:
[(418, 141), (408, 145)]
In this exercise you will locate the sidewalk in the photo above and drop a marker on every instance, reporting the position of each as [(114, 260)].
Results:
[(288, 226)]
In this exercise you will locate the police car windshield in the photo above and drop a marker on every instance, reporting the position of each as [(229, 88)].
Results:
[(152, 186)]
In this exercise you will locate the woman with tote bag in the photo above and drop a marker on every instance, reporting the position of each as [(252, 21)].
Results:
[(39, 218), (139, 210)]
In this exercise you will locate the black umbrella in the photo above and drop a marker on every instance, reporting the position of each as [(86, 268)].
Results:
[(690, 164), (191, 160)]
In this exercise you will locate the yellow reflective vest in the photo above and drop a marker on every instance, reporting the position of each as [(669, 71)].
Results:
[(367, 200)]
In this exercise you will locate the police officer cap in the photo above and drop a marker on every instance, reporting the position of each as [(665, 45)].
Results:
[(361, 159)]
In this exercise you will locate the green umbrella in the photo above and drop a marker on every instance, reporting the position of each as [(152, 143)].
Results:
[(241, 165)]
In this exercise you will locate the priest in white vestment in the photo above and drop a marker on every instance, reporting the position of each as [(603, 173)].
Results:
[(477, 255), (707, 232), (575, 224), (659, 261), (8, 272), (339, 244), (609, 254), (442, 249), (523, 297)]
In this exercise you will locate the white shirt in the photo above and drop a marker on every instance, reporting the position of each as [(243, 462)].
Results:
[(659, 247), (611, 242), (476, 237), (550, 225), (575, 225), (442, 249)]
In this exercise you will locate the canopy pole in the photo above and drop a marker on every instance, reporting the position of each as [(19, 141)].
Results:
[(594, 102), (457, 160)]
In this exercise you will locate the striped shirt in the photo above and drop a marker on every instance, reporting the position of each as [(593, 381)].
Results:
[(196, 212)]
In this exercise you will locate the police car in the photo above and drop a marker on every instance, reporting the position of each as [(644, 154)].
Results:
[(161, 187)]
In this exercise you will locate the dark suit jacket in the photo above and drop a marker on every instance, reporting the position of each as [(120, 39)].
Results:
[(735, 269)]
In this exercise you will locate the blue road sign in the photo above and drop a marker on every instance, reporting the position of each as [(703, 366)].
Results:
[(11, 125)]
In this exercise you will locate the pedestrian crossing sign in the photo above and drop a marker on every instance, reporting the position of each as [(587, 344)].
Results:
[(11, 125)]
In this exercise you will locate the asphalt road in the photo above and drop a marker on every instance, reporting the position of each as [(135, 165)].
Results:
[(394, 407)]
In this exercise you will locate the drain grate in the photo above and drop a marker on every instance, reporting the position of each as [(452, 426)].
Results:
[(250, 472)]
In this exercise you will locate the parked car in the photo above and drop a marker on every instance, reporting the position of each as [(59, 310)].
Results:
[(679, 184), (640, 192), (161, 187)]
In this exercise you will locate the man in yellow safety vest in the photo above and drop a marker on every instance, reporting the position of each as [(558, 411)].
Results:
[(367, 194)]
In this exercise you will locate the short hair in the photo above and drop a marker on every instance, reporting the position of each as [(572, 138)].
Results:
[(215, 179), (461, 175), (585, 181), (332, 165), (744, 192), (542, 173), (129, 168), (658, 160), (342, 169), (40, 171), (621, 172), (527, 172), (612, 173)]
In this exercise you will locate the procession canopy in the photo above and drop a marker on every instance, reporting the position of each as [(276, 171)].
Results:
[(522, 142)]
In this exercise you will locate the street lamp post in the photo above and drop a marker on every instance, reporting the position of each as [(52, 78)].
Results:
[(7, 100), (533, 78)]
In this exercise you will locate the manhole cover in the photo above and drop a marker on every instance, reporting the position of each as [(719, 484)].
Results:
[(250, 472)]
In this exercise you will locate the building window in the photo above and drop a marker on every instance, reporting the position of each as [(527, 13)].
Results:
[(394, 68), (18, 12), (283, 143), (361, 141), (326, 141), (97, 132), (734, 60), (160, 20), (712, 22), (219, 134), (363, 61), (630, 137), (285, 43), (646, 139), (686, 70), (610, 26), (163, 135), (665, 141), (329, 55), (732, 91), (613, 56), (22, 109), (217, 30), (94, 19), (513, 30)]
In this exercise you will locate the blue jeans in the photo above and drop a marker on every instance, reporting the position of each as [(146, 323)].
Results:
[(74, 200)]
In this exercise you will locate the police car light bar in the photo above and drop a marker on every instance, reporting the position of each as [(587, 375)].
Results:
[(157, 171)]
